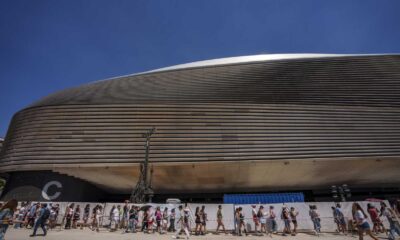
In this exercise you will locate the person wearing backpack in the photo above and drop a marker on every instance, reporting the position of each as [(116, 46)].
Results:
[(44, 214)]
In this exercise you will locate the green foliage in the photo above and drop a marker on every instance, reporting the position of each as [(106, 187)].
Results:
[(2, 183)]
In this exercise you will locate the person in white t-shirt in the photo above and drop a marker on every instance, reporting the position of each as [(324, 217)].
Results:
[(262, 216), (360, 219), (114, 219), (183, 218)]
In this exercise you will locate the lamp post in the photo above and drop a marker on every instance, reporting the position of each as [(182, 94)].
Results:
[(343, 191), (142, 191)]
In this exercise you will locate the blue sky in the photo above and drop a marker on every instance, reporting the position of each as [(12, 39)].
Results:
[(47, 46)]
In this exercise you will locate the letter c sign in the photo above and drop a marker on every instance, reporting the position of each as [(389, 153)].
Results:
[(46, 188)]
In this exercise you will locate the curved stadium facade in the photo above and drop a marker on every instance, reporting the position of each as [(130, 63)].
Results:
[(245, 124)]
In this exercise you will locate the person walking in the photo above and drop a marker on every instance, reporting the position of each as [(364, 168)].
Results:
[(110, 215), (293, 216), (158, 217), (271, 222), (145, 221), (336, 219), (390, 214), (69, 213), (165, 220), (220, 222), (98, 217), (114, 220), (20, 216), (93, 223), (132, 215), (242, 222), (255, 218), (32, 214), (6, 216), (53, 216), (125, 215), (197, 221), (263, 220), (119, 219), (315, 218), (360, 219), (76, 217), (171, 227), (182, 223), (204, 220), (44, 214), (340, 219), (286, 220), (86, 215), (236, 219), (377, 222)]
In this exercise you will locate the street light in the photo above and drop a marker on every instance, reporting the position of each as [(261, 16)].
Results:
[(342, 191)]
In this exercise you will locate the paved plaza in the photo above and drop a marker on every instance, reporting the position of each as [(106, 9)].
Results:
[(86, 234)]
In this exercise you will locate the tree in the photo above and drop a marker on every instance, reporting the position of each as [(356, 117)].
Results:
[(2, 184)]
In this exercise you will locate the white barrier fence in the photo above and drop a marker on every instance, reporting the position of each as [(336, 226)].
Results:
[(303, 219)]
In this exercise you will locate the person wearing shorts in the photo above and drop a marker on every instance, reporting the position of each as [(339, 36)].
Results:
[(220, 220), (263, 220), (340, 218), (197, 215), (360, 219), (242, 223)]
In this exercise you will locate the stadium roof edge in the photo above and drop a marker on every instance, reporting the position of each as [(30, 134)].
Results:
[(245, 59)]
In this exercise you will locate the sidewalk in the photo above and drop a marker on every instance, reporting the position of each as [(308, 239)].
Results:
[(22, 234)]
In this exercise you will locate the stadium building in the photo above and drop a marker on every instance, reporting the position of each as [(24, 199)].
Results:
[(262, 123)]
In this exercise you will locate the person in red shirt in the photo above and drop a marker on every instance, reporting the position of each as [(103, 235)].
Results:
[(374, 213)]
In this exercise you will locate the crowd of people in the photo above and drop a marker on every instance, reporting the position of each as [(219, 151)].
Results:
[(127, 217)]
